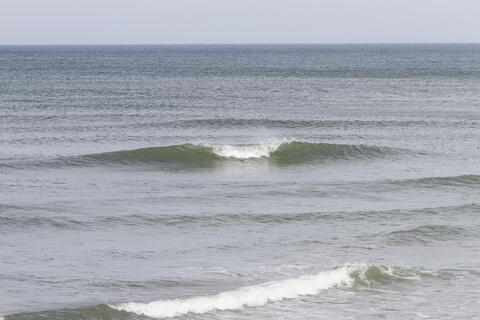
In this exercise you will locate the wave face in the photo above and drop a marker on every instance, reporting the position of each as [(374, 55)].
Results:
[(101, 311), (202, 155), (295, 152), (261, 294), (187, 154)]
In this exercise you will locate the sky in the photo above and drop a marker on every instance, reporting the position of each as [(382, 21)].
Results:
[(238, 21)]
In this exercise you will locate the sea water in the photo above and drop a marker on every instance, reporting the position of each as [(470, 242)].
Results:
[(240, 182)]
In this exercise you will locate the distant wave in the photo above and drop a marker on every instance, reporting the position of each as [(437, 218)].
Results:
[(229, 123), (261, 294), (204, 155)]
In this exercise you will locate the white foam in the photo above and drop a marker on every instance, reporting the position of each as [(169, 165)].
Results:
[(246, 151), (250, 296)]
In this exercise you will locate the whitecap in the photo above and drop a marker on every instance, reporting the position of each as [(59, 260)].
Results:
[(249, 296), (262, 150)]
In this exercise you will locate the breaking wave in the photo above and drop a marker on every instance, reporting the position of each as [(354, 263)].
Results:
[(355, 276), (203, 155), (261, 294)]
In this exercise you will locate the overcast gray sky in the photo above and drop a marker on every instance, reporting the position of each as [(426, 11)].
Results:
[(237, 21)]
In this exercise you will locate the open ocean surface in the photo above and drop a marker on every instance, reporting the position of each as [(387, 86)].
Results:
[(240, 182)]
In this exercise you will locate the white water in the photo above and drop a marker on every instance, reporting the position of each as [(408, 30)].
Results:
[(250, 296), (246, 151)]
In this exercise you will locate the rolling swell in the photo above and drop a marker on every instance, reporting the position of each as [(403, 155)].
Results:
[(427, 234), (468, 179), (22, 222), (230, 123), (348, 276), (203, 155)]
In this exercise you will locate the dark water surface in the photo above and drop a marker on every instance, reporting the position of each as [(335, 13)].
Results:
[(240, 182)]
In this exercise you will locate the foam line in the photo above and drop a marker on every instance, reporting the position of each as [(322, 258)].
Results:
[(250, 296)]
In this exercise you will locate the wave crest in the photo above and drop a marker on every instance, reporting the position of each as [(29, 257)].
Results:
[(263, 150)]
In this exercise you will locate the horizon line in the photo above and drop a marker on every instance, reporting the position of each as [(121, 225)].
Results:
[(235, 43)]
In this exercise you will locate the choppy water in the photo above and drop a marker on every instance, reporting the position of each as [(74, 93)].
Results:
[(240, 182)]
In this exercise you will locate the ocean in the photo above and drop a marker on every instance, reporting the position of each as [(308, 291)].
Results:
[(240, 182)]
